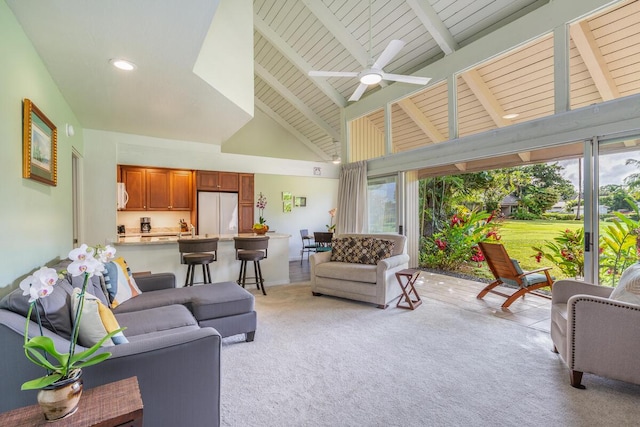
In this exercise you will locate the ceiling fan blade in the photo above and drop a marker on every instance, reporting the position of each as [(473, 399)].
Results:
[(358, 92), (332, 74), (406, 79), (388, 53)]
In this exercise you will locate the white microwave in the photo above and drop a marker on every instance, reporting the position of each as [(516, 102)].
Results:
[(123, 197)]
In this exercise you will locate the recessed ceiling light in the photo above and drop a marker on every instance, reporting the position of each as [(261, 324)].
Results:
[(510, 116), (123, 64)]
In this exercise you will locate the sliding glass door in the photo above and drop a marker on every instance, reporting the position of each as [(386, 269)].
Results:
[(612, 191)]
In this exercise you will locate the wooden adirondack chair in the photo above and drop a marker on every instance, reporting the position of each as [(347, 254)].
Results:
[(507, 271)]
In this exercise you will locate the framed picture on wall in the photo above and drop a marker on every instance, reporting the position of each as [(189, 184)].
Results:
[(39, 145), (286, 196), (300, 201), (286, 206)]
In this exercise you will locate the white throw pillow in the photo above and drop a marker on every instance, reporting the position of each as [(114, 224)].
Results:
[(628, 289)]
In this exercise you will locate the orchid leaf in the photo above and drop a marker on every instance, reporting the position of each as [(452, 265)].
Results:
[(93, 361), (88, 352), (41, 382)]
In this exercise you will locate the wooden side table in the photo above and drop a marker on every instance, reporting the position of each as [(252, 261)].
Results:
[(116, 404), (409, 298)]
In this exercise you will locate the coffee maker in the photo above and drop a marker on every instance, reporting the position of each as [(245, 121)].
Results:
[(145, 224)]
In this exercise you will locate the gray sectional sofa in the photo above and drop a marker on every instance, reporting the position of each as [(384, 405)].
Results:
[(173, 347), (353, 273)]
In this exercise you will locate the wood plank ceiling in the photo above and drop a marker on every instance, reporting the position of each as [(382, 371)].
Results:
[(604, 64), (293, 37)]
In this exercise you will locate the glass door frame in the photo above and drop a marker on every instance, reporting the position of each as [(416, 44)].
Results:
[(591, 185)]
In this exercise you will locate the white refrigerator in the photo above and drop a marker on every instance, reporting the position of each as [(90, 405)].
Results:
[(217, 213)]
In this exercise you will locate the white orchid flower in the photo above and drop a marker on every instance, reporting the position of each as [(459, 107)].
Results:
[(39, 284), (81, 253), (106, 254)]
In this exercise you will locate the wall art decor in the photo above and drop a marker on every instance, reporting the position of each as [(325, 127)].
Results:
[(300, 201), (39, 145), (286, 196), (286, 206)]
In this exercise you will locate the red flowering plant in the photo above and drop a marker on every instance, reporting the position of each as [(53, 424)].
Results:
[(457, 242), (566, 252)]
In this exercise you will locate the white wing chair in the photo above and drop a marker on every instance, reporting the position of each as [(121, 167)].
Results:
[(593, 333)]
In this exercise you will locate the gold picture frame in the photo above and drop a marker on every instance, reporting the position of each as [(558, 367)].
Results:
[(39, 145)]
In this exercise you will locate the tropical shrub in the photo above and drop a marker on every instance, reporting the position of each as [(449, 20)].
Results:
[(618, 248), (566, 252), (457, 242)]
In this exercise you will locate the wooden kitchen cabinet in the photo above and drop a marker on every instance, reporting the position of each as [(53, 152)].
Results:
[(246, 188), (217, 181), (180, 187), (157, 189), (135, 181), (245, 203), (158, 195), (245, 218)]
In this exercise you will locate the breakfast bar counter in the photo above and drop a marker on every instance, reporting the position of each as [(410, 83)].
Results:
[(159, 254)]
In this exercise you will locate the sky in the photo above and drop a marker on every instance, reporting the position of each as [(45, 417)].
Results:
[(613, 169)]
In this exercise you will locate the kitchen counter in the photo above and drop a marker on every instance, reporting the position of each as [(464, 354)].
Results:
[(161, 239), (159, 254)]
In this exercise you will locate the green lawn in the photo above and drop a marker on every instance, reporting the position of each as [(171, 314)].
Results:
[(519, 236)]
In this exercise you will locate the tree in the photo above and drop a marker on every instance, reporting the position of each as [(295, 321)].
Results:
[(614, 197)]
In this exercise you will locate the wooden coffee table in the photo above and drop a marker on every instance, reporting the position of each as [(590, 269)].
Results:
[(409, 298), (116, 404)]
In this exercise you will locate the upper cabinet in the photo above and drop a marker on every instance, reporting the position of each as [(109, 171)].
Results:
[(157, 189), (217, 181), (135, 181)]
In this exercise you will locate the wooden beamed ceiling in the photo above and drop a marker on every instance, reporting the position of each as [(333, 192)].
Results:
[(605, 55)]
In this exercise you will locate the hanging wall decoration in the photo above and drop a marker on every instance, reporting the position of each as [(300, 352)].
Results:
[(39, 145)]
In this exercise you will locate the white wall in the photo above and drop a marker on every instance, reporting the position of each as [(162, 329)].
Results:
[(226, 57), (264, 137), (36, 218), (321, 194)]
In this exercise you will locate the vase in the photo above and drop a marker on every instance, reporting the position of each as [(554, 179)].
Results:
[(60, 399), (262, 230)]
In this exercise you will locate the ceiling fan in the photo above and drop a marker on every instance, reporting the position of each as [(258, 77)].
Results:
[(374, 73)]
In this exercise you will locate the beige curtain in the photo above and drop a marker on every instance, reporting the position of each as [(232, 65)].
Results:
[(351, 216)]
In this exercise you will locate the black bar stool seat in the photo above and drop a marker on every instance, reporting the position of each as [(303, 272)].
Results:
[(251, 249), (198, 252)]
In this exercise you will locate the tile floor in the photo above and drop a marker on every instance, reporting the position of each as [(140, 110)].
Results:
[(531, 311)]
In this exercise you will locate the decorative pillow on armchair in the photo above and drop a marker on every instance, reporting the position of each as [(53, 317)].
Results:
[(628, 289)]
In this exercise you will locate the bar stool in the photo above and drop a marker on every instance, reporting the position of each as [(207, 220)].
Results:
[(251, 249), (198, 252)]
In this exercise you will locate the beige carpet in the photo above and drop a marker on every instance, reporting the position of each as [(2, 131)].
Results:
[(323, 361)]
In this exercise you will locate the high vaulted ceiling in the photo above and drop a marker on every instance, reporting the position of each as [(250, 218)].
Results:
[(291, 37)]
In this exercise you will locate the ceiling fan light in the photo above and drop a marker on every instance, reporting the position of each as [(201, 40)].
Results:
[(370, 78)]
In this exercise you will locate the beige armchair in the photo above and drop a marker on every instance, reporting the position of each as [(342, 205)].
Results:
[(594, 334)]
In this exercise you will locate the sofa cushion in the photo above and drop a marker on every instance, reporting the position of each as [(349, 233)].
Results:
[(360, 250), (205, 302), (366, 273), (628, 289), (55, 309), (157, 319)]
